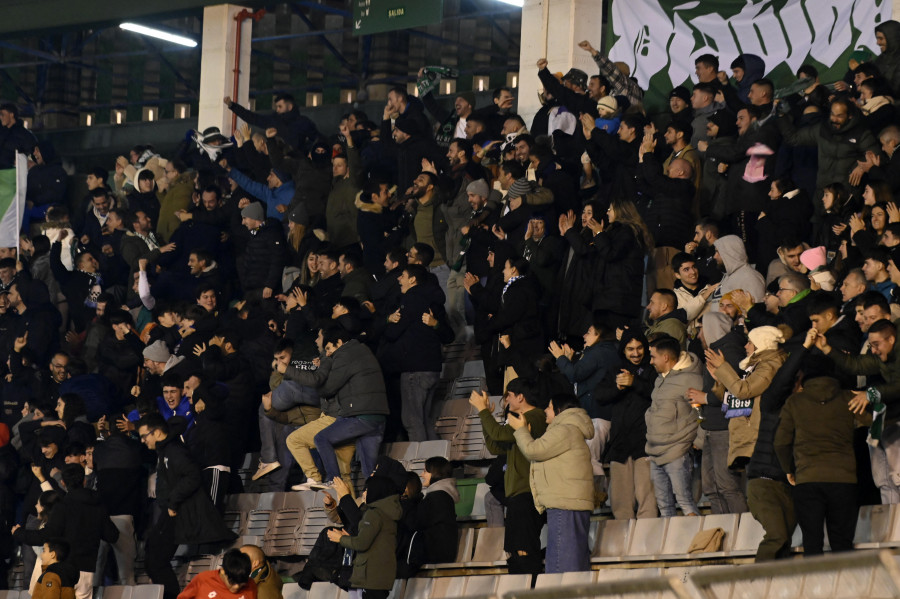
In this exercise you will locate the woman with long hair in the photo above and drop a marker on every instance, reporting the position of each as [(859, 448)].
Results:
[(621, 248)]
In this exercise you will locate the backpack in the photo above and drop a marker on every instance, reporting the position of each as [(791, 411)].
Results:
[(327, 562)]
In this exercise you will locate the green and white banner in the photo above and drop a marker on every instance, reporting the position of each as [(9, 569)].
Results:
[(659, 39), (12, 201)]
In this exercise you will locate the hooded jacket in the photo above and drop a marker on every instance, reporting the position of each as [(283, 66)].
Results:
[(888, 62), (499, 438), (561, 473), (754, 70), (82, 520), (671, 421), (375, 564), (47, 181), (209, 584), (738, 273), (340, 210), (814, 441), (587, 372)]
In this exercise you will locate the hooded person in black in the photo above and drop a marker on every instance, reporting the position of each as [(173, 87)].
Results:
[(46, 179), (887, 36), (208, 439)]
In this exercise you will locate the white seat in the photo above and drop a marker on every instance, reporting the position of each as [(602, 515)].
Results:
[(549, 581), (292, 590), (480, 585), (679, 533), (612, 540), (324, 590), (577, 578), (448, 586), (115, 592), (750, 534), (147, 591), (874, 526), (479, 512), (489, 545), (728, 523), (511, 582), (647, 539), (418, 588), (430, 449)]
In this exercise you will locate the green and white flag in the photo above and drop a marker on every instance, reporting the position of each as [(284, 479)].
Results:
[(660, 39), (12, 201)]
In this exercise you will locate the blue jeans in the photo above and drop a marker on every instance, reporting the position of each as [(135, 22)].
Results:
[(674, 478), (368, 435), (567, 541)]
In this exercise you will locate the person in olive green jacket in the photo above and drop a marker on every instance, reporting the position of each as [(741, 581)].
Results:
[(814, 444), (375, 544), (174, 194), (523, 522)]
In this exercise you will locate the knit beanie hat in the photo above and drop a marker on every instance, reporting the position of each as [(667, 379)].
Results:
[(766, 338), (478, 187), (681, 92), (609, 103), (813, 258), (254, 210), (725, 121), (283, 176), (299, 215), (157, 351), (519, 188)]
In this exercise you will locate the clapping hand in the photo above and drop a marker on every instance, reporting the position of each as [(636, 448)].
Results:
[(480, 401)]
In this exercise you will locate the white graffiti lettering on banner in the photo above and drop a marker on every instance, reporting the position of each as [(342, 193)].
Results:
[(652, 38)]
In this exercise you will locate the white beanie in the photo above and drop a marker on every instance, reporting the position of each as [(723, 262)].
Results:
[(763, 338)]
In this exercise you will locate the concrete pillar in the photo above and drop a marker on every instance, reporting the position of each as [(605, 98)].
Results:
[(217, 65), (551, 29)]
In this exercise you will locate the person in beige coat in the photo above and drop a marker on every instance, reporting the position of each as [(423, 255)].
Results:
[(741, 391), (562, 480)]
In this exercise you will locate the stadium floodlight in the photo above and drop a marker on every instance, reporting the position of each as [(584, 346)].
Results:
[(159, 34), (514, 2)]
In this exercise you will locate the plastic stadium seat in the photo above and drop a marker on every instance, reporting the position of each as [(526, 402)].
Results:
[(417, 588), (480, 585), (613, 538), (324, 590), (512, 582), (679, 533), (874, 526), (447, 587), (489, 546), (749, 535), (647, 539), (147, 591), (478, 509), (117, 592), (728, 523), (292, 590)]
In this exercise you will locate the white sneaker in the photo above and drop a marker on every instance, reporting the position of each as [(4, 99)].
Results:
[(310, 485)]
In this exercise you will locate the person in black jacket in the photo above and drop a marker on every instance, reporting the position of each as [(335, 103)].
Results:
[(14, 137), (119, 475), (208, 440), (81, 520), (720, 484), (297, 130), (260, 266), (627, 392), (46, 183), (434, 524), (81, 286), (187, 515), (415, 332)]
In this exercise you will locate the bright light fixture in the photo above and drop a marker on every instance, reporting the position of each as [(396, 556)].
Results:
[(514, 2), (159, 34)]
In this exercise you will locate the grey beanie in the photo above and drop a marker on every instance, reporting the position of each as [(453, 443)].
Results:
[(478, 187), (157, 351), (254, 210), (519, 188)]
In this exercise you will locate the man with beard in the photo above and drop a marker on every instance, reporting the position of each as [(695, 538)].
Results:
[(429, 225), (701, 247), (842, 142), (691, 289)]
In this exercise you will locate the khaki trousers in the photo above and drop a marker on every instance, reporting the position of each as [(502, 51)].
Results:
[(300, 442)]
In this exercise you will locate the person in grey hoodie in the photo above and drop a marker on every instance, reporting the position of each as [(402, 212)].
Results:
[(720, 484), (731, 254), (672, 425)]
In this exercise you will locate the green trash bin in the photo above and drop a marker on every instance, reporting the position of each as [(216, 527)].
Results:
[(466, 488)]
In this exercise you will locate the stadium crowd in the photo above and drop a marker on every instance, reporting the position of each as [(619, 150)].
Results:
[(712, 288)]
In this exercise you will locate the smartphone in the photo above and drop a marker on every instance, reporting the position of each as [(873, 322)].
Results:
[(514, 415)]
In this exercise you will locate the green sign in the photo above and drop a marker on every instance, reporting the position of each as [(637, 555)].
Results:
[(378, 16)]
